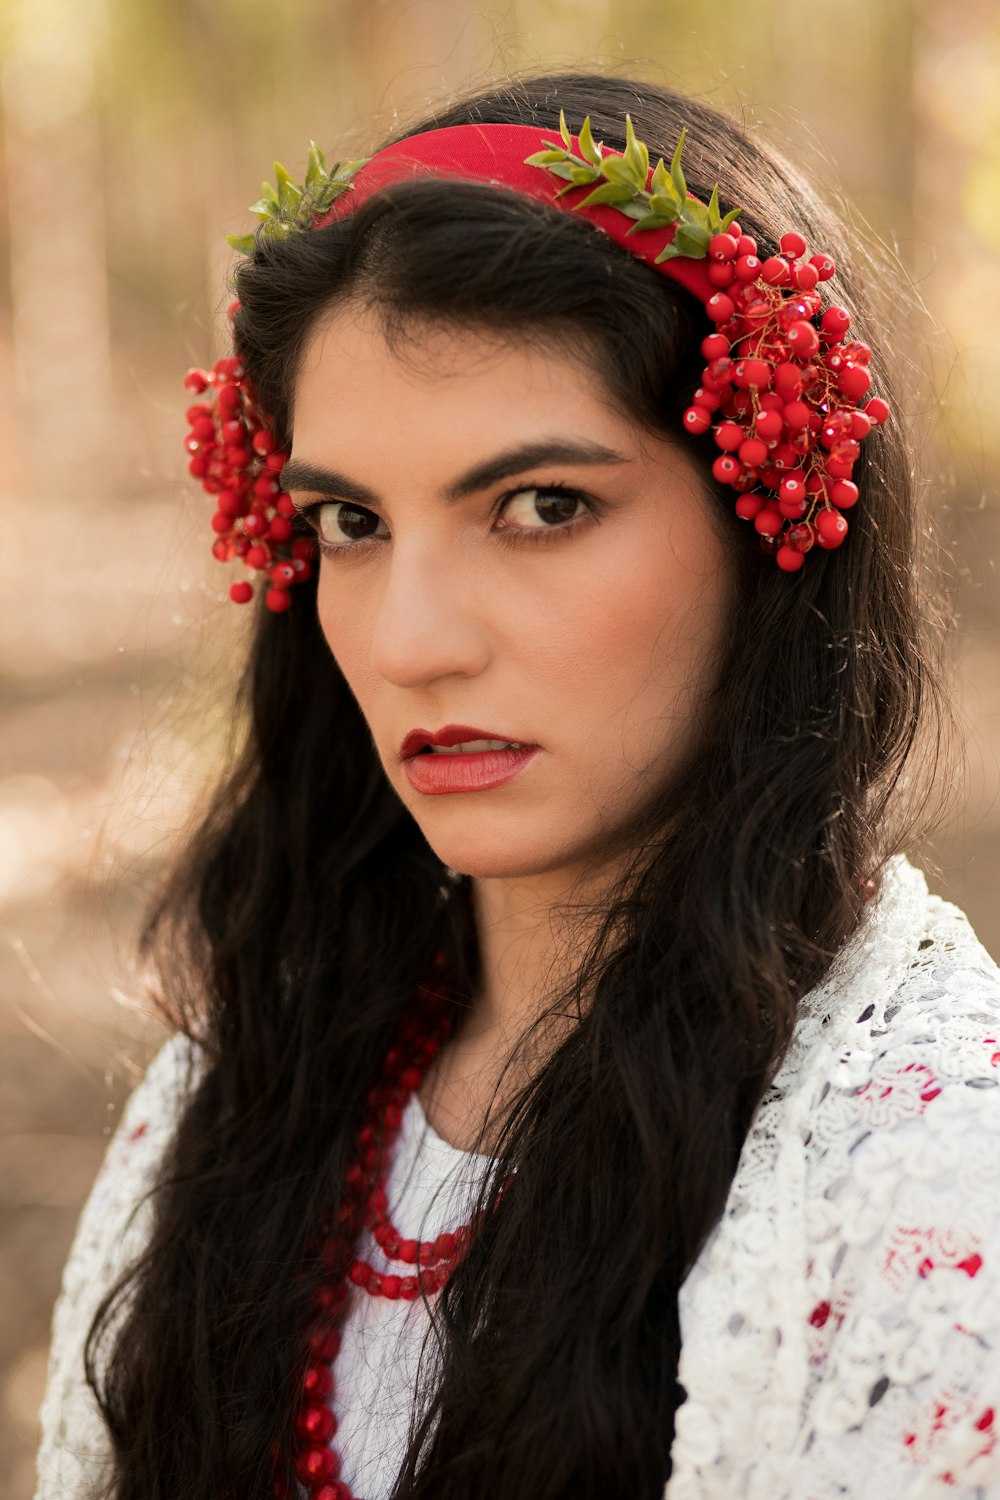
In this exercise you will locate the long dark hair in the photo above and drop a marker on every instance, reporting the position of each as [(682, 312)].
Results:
[(291, 932)]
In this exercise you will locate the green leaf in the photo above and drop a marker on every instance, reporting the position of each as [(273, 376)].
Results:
[(617, 169), (636, 154), (289, 192), (730, 218), (669, 252), (676, 171), (714, 221), (581, 175), (315, 167), (692, 240), (587, 147), (543, 158), (696, 213), (661, 182), (665, 203), (562, 169), (564, 132), (652, 221), (608, 192), (244, 243)]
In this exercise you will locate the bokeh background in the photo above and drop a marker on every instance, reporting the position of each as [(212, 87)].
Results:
[(134, 134)]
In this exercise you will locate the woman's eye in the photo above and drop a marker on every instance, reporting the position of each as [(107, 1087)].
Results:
[(341, 526), (541, 509)]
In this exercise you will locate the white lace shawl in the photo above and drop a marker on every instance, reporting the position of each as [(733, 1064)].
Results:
[(841, 1329)]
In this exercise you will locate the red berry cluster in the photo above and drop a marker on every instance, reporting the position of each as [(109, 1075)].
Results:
[(782, 396), (238, 462)]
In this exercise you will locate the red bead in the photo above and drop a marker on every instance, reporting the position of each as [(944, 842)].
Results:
[(806, 277), (318, 1382), (266, 487), (774, 271), (769, 425), (835, 322), (803, 338), (198, 466), (753, 452), (844, 494), (768, 522), (788, 380), (729, 436), (854, 382), (789, 560), (752, 374), (745, 244), (240, 593), (221, 522), (831, 528), (792, 488), (708, 400), (797, 415), (801, 538), (196, 380), (280, 529), (839, 468), (748, 268), (716, 375), (723, 247), (314, 1465), (857, 354), (258, 557), (825, 266), (714, 346), (792, 245), (877, 410), (725, 468), (720, 308), (263, 443), (697, 420), (748, 506), (720, 275), (408, 1252), (315, 1424), (390, 1286), (860, 425)]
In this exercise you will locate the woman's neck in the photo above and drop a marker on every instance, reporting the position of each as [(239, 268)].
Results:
[(526, 949)]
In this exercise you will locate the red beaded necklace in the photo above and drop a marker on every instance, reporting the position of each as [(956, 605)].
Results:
[(365, 1205)]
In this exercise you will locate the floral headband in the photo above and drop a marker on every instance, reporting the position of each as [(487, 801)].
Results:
[(781, 391)]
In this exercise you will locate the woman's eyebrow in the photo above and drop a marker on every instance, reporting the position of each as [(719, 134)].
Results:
[(298, 474)]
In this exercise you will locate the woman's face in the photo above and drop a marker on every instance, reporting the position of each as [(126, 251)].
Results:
[(583, 620)]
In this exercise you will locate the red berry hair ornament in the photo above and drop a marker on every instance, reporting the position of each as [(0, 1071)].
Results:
[(786, 398)]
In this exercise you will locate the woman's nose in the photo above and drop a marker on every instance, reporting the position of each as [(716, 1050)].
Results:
[(430, 620)]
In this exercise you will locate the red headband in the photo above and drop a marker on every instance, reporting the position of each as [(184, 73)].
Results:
[(781, 394), (497, 154)]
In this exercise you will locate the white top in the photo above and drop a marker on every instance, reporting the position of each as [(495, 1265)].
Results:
[(841, 1328)]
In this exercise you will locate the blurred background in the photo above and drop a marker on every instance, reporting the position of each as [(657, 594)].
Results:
[(134, 134)]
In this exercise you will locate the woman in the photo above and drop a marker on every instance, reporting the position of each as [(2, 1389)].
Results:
[(607, 1110)]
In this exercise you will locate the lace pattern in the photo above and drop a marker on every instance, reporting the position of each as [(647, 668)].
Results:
[(841, 1328)]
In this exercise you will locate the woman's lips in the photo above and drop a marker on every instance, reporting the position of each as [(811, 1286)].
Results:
[(465, 771)]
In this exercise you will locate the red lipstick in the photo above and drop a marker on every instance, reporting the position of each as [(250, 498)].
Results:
[(461, 771)]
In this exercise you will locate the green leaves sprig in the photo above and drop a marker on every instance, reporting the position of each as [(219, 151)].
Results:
[(290, 206), (621, 182)]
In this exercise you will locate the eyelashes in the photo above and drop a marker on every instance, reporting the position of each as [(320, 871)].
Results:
[(306, 521)]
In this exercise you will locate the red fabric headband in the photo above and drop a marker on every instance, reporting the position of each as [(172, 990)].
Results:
[(781, 391), (496, 154)]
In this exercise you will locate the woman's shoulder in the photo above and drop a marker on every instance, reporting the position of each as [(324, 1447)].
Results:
[(111, 1233)]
